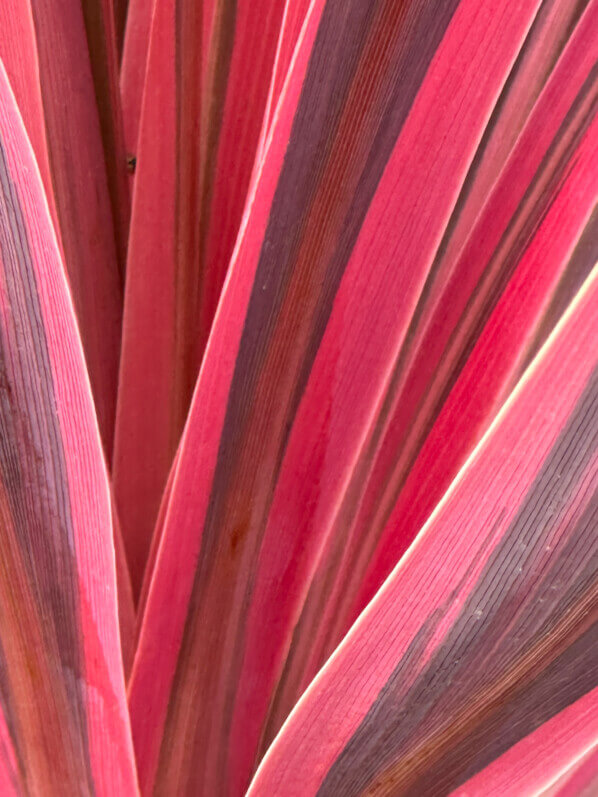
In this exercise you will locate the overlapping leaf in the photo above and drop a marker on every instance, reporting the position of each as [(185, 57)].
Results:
[(485, 629), (206, 87), (357, 223), (55, 86), (473, 326), (65, 727), (551, 755), (338, 239)]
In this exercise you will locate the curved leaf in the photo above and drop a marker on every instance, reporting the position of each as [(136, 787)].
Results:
[(61, 679), (548, 756), (328, 268), (473, 326), (484, 629)]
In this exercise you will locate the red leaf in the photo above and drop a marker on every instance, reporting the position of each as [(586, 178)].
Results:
[(474, 324), (133, 68), (79, 180), (195, 159), (548, 756), (101, 39), (22, 67), (61, 681), (329, 266), (486, 626)]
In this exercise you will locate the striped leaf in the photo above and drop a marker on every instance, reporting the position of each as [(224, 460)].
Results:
[(101, 39), (55, 87), (485, 628), (22, 67), (546, 760), (64, 728), (197, 144), (335, 247), (476, 319)]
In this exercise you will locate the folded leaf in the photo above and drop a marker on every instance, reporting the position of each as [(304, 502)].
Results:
[(329, 266), (61, 681), (197, 146), (485, 628)]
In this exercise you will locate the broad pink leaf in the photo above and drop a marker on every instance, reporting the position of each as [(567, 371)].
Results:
[(197, 145), (61, 686), (581, 781), (485, 628), (335, 247), (473, 325)]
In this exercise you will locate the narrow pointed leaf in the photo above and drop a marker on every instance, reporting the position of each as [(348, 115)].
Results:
[(79, 178), (61, 686), (22, 67), (485, 628), (103, 56), (329, 248), (133, 68), (197, 145), (550, 755)]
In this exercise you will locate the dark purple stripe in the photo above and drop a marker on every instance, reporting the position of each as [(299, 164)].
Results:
[(340, 41), (532, 218), (33, 467), (520, 605)]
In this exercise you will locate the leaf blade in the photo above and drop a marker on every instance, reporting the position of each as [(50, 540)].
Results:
[(62, 680), (474, 636)]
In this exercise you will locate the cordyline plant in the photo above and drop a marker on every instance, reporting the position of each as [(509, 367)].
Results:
[(298, 397)]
